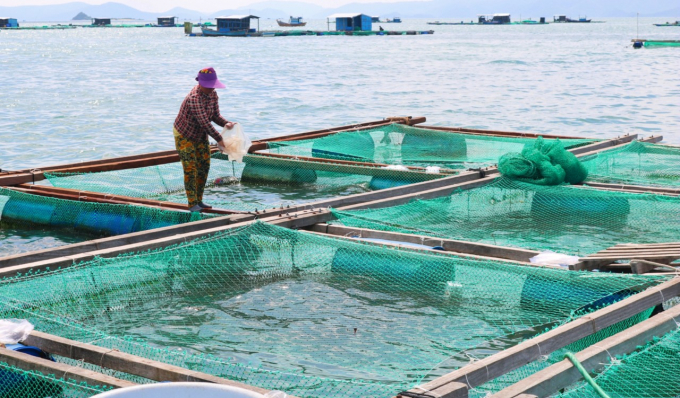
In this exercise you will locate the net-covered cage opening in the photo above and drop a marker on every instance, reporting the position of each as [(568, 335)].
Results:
[(414, 146), (637, 163), (21, 383), (20, 209), (649, 372), (306, 314), (260, 182), (566, 219)]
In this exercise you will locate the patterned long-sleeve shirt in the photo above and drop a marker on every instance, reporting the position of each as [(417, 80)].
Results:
[(196, 114)]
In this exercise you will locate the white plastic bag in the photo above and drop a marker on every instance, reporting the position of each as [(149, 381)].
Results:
[(397, 167), (432, 169), (276, 394), (551, 258), (235, 143), (13, 331)]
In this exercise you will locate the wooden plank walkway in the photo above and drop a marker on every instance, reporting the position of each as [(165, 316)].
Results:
[(663, 253)]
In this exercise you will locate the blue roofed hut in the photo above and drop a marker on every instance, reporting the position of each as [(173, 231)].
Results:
[(9, 23), (352, 22)]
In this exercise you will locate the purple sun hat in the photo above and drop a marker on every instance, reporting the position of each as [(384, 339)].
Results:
[(208, 78)]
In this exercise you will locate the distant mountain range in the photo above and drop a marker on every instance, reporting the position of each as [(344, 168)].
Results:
[(439, 9)]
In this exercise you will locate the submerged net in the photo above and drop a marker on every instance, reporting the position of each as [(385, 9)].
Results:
[(24, 210), (637, 163), (401, 144), (20, 383), (313, 316), (565, 219), (261, 182), (649, 372)]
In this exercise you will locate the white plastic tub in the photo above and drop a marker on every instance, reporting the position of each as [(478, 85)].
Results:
[(180, 390)]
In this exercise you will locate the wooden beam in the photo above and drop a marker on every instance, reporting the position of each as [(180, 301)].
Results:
[(456, 246), (518, 134), (293, 221), (613, 143), (634, 188), (530, 350), (60, 370), (122, 240), (564, 374), (156, 158), (127, 363)]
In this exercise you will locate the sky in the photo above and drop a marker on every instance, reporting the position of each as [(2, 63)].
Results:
[(198, 5)]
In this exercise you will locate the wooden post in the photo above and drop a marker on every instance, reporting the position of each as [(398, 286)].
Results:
[(127, 363)]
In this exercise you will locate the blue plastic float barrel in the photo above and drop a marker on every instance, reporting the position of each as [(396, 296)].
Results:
[(544, 293), (378, 183), (409, 272), (28, 209), (577, 206), (13, 382)]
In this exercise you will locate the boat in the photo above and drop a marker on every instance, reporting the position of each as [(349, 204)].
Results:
[(676, 23), (564, 19), (639, 43), (495, 19), (393, 20), (292, 21)]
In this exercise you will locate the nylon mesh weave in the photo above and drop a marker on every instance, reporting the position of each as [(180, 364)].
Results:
[(565, 219), (401, 144), (313, 316)]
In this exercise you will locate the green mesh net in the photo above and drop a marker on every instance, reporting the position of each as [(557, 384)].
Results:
[(637, 163), (661, 43), (649, 372), (546, 361), (310, 315), (20, 383), (565, 219), (401, 144), (543, 163), (261, 182), (26, 218)]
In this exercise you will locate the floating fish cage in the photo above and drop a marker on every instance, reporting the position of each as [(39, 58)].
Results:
[(414, 146), (359, 305), (260, 182), (637, 163), (310, 315), (25, 217), (565, 219)]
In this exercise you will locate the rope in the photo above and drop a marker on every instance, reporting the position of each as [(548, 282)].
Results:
[(570, 356)]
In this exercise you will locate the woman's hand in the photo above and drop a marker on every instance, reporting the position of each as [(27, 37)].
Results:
[(230, 125)]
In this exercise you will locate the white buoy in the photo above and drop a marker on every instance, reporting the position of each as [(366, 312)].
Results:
[(180, 390)]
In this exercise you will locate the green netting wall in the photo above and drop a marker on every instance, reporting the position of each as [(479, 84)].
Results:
[(260, 182), (565, 219), (649, 372), (313, 316), (102, 219), (546, 361), (637, 163), (401, 144), (20, 383)]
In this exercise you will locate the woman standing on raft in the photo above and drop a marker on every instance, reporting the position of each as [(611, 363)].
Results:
[(191, 129)]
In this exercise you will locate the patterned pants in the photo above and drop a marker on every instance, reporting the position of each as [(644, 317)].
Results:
[(195, 158)]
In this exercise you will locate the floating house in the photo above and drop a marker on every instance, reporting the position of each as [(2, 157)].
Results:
[(167, 22), (495, 19), (352, 22), (101, 21), (233, 25), (9, 23), (375, 18)]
